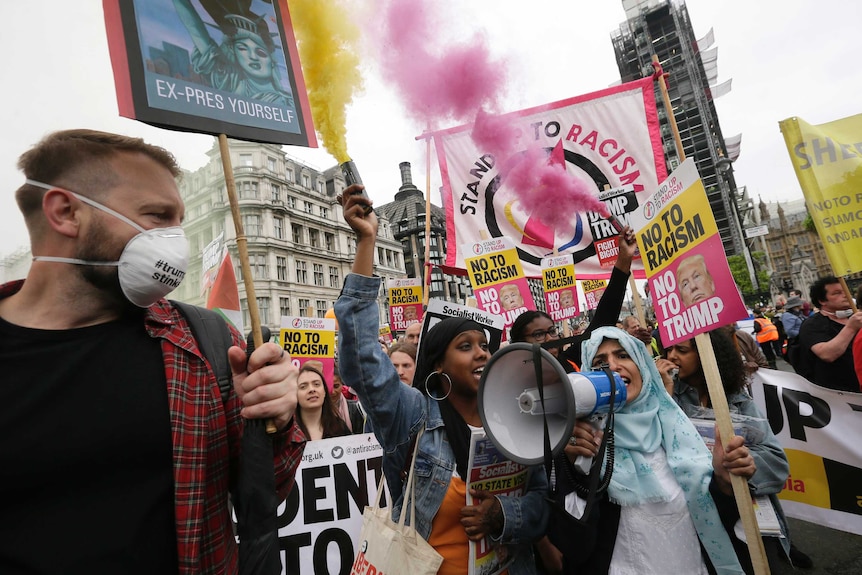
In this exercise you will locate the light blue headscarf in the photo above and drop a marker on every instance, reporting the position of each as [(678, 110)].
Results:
[(652, 420)]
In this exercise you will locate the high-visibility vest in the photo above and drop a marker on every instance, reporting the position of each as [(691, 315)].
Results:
[(768, 331)]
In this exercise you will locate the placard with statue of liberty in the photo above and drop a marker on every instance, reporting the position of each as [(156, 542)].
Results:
[(213, 66)]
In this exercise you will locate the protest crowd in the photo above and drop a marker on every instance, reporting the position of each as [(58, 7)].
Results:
[(145, 435)]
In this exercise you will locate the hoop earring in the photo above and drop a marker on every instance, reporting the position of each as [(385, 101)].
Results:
[(428, 390)]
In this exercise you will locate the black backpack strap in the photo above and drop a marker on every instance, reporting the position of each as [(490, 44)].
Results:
[(213, 336)]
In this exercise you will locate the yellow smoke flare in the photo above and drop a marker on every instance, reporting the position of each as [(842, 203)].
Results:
[(328, 49)]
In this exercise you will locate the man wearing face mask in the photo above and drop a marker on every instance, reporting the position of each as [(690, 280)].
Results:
[(113, 433), (826, 338)]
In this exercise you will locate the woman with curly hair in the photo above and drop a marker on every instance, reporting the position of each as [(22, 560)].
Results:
[(689, 390)]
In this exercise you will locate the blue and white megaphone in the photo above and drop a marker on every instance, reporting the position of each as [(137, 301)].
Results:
[(511, 408)]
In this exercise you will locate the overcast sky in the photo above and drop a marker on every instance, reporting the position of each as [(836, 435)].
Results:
[(786, 58)]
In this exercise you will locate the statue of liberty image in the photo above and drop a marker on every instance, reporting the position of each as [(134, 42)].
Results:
[(243, 63)]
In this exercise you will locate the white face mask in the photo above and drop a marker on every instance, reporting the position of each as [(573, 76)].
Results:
[(152, 264)]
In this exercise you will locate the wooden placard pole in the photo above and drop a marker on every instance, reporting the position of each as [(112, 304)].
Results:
[(426, 271), (716, 389), (636, 296), (242, 249)]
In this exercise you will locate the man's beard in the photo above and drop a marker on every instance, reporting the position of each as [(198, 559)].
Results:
[(98, 246)]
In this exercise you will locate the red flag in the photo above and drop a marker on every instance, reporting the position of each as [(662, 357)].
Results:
[(224, 295)]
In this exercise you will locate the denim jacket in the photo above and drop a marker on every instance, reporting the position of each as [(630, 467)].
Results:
[(396, 412), (772, 465)]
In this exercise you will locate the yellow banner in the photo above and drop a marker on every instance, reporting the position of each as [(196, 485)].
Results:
[(828, 162)]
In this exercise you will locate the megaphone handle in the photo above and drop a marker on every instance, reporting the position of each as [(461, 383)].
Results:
[(582, 462)]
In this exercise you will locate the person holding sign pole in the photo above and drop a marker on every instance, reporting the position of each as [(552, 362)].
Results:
[(444, 401), (669, 502), (826, 338), (116, 439), (690, 392)]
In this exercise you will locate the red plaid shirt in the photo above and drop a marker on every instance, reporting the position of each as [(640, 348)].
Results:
[(206, 443)]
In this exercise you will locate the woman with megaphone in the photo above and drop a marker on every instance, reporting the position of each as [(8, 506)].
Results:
[(669, 499), (443, 401)]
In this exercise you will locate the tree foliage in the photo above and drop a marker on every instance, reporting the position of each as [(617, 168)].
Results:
[(750, 293)]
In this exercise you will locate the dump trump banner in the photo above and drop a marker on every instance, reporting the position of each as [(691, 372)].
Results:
[(405, 302), (558, 283), (209, 68), (828, 163), (593, 292), (818, 429), (310, 338), (608, 139), (497, 279), (677, 236), (605, 237), (320, 521)]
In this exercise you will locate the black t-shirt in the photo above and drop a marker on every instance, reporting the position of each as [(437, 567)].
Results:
[(85, 452), (839, 374)]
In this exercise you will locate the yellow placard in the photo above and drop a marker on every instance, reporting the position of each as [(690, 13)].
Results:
[(827, 159), (308, 343), (406, 295), (490, 269), (679, 226)]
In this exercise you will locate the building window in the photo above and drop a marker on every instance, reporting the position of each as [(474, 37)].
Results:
[(278, 228), (258, 266), (322, 307), (270, 164), (281, 268), (330, 241), (309, 208), (324, 212), (291, 202), (389, 259), (306, 181), (301, 272), (276, 193), (380, 256), (251, 225), (245, 160), (314, 238), (320, 187), (288, 174), (318, 275), (304, 304), (248, 191), (297, 234), (263, 310), (334, 279), (284, 306)]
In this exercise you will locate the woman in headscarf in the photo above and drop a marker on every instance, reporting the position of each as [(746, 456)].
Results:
[(669, 498), (443, 402)]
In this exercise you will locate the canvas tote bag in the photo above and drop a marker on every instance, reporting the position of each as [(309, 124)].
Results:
[(390, 548)]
